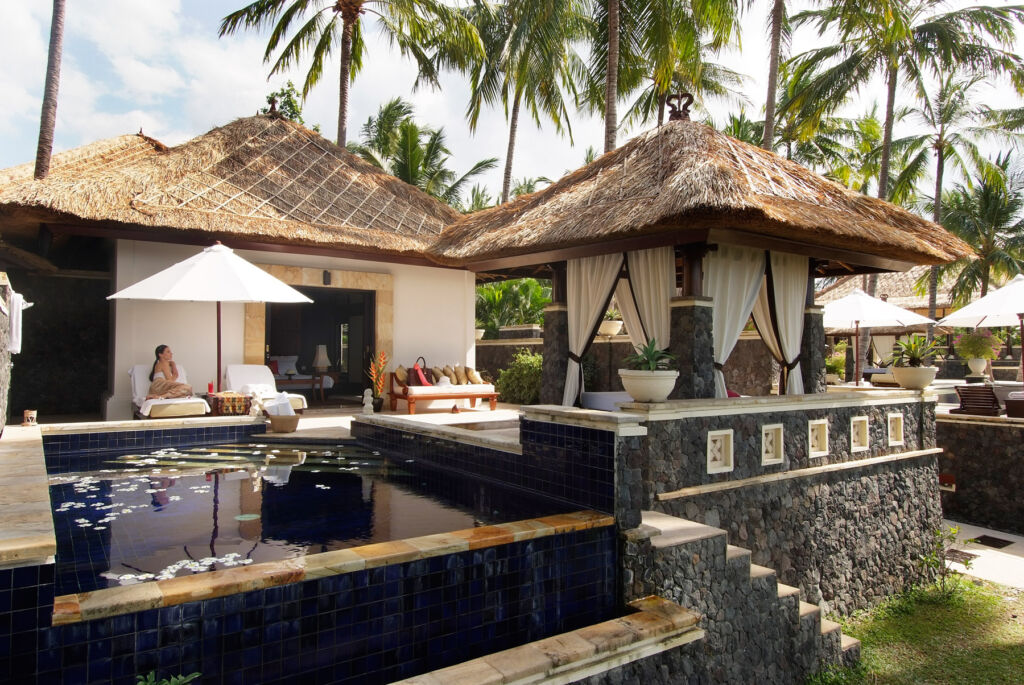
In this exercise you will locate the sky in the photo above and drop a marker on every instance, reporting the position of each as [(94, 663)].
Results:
[(159, 66)]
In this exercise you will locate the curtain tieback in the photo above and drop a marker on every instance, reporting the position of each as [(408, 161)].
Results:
[(792, 365), (576, 358), (718, 366)]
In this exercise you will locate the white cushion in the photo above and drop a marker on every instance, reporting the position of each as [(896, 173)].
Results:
[(1016, 396), (449, 389), (139, 373), (604, 401), (286, 363), (239, 377)]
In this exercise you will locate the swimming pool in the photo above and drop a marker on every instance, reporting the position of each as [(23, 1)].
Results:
[(140, 516)]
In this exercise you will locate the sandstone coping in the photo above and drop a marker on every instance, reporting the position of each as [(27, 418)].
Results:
[(26, 520), (450, 427), (1002, 421), (114, 601), (656, 626), (620, 423), (671, 410), (149, 424)]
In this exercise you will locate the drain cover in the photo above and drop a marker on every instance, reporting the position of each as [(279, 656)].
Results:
[(990, 541), (959, 556)]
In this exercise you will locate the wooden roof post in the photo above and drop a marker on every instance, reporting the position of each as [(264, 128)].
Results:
[(556, 339)]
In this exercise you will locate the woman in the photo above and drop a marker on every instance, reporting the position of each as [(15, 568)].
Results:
[(163, 378)]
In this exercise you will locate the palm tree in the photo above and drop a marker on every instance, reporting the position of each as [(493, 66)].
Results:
[(479, 199), (741, 128), (48, 117), (527, 185), (989, 216), (611, 81), (897, 38), (435, 35), (778, 20), (511, 303), (416, 154), (948, 114), (528, 56)]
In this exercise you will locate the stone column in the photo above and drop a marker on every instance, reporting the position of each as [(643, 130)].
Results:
[(812, 350), (692, 347), (556, 353)]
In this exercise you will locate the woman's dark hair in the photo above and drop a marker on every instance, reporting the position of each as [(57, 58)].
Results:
[(159, 349)]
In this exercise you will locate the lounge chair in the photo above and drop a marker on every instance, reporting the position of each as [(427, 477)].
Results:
[(258, 381), (978, 399), (162, 409)]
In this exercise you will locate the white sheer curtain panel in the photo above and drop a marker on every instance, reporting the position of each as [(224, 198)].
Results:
[(644, 299), (882, 345), (762, 314), (789, 277), (630, 315), (589, 282), (732, 278)]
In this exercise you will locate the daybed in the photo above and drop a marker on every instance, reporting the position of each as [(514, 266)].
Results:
[(400, 390), (162, 409), (258, 381)]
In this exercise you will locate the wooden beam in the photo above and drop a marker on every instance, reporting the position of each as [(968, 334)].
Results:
[(23, 259), (875, 263)]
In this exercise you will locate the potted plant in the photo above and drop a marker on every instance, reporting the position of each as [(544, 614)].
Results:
[(480, 330), (612, 323), (378, 374), (977, 347), (835, 364), (908, 360), (649, 378)]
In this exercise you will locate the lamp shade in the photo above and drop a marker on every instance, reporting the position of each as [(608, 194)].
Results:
[(320, 360)]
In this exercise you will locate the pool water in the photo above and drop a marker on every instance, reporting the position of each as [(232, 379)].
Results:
[(141, 517)]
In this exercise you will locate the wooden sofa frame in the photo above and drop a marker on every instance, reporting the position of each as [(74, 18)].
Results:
[(403, 394), (978, 399)]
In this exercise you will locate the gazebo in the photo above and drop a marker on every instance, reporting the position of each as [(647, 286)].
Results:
[(694, 232)]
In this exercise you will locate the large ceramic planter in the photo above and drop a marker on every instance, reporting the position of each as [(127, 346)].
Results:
[(609, 328), (480, 333), (977, 366), (648, 386), (914, 377)]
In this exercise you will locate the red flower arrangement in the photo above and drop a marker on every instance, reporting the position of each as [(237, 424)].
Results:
[(378, 373)]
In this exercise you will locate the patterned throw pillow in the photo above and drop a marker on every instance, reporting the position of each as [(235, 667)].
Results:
[(474, 376), (460, 373), (402, 375)]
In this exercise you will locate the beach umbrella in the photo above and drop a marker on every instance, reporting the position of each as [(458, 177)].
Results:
[(1002, 307), (858, 309), (216, 274)]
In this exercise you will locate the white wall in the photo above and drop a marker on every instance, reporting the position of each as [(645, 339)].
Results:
[(433, 316)]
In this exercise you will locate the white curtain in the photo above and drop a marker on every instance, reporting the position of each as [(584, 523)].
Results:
[(762, 314), (882, 346), (732, 278), (589, 282), (644, 299), (789, 277)]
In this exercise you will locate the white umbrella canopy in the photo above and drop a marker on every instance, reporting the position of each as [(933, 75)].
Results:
[(218, 275), (858, 309), (1002, 307)]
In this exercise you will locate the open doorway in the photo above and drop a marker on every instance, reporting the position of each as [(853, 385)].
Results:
[(342, 320)]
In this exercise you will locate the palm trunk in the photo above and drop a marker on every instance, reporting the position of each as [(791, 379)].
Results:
[(773, 76), (611, 80), (890, 108), (933, 276), (661, 108), (513, 126), (48, 117), (864, 341), (343, 81)]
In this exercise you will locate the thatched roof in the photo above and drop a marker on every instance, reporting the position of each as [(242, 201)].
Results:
[(687, 175), (261, 179), (896, 288)]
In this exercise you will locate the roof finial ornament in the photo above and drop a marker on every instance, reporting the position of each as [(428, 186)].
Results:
[(273, 105), (679, 106)]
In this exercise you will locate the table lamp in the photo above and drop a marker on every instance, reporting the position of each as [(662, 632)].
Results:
[(320, 360)]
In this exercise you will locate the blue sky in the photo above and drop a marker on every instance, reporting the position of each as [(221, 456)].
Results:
[(159, 66)]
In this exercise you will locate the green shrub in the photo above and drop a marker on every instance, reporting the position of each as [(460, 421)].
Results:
[(519, 383), (150, 679)]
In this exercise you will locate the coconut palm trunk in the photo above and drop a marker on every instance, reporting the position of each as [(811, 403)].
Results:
[(611, 82), (48, 117), (933, 276), (773, 75), (890, 114), (512, 128), (343, 81)]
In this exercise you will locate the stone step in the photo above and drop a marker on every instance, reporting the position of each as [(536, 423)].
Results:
[(850, 647), (733, 552), (828, 626), (787, 590), (760, 571), (669, 531)]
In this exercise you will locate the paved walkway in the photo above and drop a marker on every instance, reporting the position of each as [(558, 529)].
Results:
[(1004, 566)]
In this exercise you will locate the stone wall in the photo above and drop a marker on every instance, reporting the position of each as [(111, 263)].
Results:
[(985, 458)]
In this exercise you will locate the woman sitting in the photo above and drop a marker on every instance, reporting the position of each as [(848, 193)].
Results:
[(163, 378)]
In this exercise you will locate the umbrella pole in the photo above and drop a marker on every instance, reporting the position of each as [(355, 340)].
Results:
[(218, 345), (856, 353)]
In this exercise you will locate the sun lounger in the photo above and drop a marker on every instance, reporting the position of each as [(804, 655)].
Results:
[(257, 380), (162, 409), (977, 399)]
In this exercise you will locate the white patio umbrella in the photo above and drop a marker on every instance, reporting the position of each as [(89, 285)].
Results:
[(1002, 307), (216, 274), (860, 309)]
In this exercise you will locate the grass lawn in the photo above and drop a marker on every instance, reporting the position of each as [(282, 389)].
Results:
[(976, 637)]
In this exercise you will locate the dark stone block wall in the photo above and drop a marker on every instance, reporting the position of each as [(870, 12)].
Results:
[(492, 358), (556, 351), (693, 350), (812, 352), (748, 370), (986, 459)]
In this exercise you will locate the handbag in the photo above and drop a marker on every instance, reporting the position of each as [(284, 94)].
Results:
[(416, 375)]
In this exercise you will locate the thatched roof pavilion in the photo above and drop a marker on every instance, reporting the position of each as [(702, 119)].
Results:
[(685, 182), (259, 181)]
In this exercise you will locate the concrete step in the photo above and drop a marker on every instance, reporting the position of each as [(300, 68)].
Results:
[(828, 626), (831, 643), (732, 552), (787, 590), (850, 647), (670, 531)]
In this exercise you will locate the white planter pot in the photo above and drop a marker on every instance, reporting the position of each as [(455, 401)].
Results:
[(914, 377), (977, 366), (480, 333), (609, 328), (832, 378), (648, 386)]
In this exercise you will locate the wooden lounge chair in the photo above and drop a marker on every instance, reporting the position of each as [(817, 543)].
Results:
[(977, 399), (401, 391)]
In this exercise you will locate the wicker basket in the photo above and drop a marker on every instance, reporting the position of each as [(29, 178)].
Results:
[(283, 424)]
